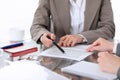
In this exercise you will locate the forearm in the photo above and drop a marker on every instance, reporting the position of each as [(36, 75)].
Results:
[(37, 32), (103, 32)]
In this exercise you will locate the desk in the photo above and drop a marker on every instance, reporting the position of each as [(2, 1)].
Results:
[(70, 76), (31, 57), (34, 56)]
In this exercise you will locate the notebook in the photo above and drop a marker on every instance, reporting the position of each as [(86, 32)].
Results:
[(88, 69)]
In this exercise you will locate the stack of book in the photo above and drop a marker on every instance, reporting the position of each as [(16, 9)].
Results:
[(19, 50)]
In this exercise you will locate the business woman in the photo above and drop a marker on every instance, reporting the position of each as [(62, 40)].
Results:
[(73, 22)]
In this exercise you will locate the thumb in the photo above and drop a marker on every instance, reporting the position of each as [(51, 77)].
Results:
[(52, 36)]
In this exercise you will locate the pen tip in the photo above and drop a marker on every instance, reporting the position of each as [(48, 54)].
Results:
[(63, 51)]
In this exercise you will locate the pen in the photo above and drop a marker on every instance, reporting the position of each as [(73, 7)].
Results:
[(56, 45), (12, 45)]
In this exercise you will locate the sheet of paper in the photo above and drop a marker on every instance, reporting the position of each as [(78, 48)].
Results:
[(27, 70), (88, 69), (74, 53)]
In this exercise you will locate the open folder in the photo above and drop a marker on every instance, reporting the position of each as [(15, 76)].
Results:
[(74, 53), (88, 69)]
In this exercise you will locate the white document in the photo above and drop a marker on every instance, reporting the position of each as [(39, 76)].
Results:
[(23, 70), (74, 53), (90, 70)]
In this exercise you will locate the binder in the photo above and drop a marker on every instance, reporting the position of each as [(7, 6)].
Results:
[(21, 50)]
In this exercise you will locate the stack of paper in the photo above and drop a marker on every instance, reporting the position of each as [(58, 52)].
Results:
[(88, 69), (74, 53)]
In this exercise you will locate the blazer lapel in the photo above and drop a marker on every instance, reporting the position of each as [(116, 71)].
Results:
[(63, 11), (90, 12)]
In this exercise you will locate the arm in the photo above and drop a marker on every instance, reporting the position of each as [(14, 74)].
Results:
[(41, 22), (105, 26)]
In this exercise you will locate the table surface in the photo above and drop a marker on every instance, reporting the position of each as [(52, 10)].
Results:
[(34, 55)]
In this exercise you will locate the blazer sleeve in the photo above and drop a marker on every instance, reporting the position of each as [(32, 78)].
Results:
[(105, 27), (41, 21), (118, 74), (118, 50)]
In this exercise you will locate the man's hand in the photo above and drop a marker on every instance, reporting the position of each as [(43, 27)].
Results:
[(108, 62), (101, 45), (70, 40)]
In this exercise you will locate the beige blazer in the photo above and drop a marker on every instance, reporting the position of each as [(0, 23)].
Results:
[(98, 19)]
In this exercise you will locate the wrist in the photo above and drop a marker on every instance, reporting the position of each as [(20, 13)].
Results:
[(83, 39)]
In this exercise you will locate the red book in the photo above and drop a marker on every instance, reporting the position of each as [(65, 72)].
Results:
[(22, 50)]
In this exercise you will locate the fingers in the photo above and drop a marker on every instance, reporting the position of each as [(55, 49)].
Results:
[(52, 36), (102, 56), (69, 40), (96, 44), (61, 41), (47, 42), (93, 46)]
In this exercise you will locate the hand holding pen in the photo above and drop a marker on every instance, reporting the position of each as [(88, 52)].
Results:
[(45, 41), (56, 45), (50, 39)]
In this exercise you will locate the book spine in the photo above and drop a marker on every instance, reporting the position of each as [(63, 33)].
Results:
[(21, 53)]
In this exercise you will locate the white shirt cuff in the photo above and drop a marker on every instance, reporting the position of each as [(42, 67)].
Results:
[(84, 38), (115, 46)]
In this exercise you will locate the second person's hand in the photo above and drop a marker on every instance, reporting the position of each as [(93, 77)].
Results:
[(101, 45)]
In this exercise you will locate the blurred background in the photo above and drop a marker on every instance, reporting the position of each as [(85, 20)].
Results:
[(19, 14), (16, 14)]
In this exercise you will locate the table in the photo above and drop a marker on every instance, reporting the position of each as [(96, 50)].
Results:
[(34, 57)]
